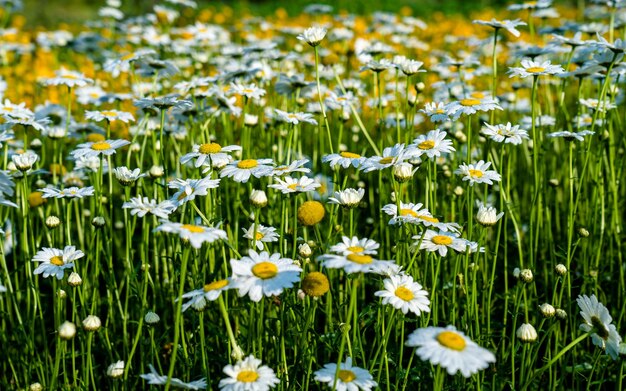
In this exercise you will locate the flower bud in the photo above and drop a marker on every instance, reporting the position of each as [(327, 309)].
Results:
[(304, 250), (116, 370), (52, 222), (547, 310), (403, 172), (151, 318), (561, 314), (156, 171), (92, 323), (98, 222), (560, 269), (583, 232), (526, 333), (74, 279), (526, 275), (67, 330), (258, 198)]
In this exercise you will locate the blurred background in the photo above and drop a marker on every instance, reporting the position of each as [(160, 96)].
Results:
[(50, 13)]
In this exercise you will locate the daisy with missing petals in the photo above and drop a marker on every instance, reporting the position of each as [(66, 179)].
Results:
[(436, 111), (505, 133), (68, 192), (598, 322), (141, 206), (404, 294), (450, 349), (54, 261), (535, 68), (439, 241), (195, 234), (248, 375), (160, 380), (343, 159), (209, 292), (289, 185), (259, 275), (260, 235), (478, 173), (241, 170), (106, 147), (209, 151), (349, 378), (295, 166), (349, 198), (313, 35), (472, 105), (432, 144), (109, 116), (355, 245)]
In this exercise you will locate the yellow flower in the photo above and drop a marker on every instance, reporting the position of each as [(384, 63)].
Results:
[(311, 213), (315, 284)]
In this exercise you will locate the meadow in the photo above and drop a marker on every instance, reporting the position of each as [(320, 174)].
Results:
[(308, 198)]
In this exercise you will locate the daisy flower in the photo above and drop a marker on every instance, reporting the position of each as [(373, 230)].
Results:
[(450, 349), (209, 292), (436, 111), (355, 263), (535, 68), (348, 198), (109, 116), (241, 170), (597, 320), (126, 177), (472, 105), (291, 185), (404, 294), (54, 261), (440, 241), (68, 78), (391, 156), (68, 192), (259, 275), (478, 173), (432, 144), (313, 35), (24, 161), (295, 166), (260, 235), (508, 25), (294, 118), (505, 133), (141, 206), (355, 245), (250, 91), (248, 375), (211, 152), (195, 234), (349, 378), (97, 148), (343, 159), (409, 213), (571, 136), (188, 189), (160, 380)]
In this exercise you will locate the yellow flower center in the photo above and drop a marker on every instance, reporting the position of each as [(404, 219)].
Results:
[(404, 293), (408, 212), (360, 259), (292, 186), (128, 56), (265, 270), (430, 219), (535, 69), (442, 240), (386, 160), (476, 173), (355, 249), (440, 111), (57, 260), (470, 102), (350, 155), (247, 376), (346, 376), (209, 148), (9, 109), (70, 76), (259, 236), (451, 340), (215, 285), (109, 113), (247, 164), (196, 229), (477, 95), (425, 145), (100, 146)]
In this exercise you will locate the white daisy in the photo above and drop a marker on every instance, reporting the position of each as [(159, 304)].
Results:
[(295, 166), (598, 322), (241, 170), (469, 106), (188, 189), (68, 192), (97, 148), (535, 68), (478, 173), (259, 275), (126, 177), (404, 294), (209, 292), (355, 245), (313, 35), (440, 241), (348, 198), (109, 116), (355, 263), (436, 111), (195, 234), (248, 375), (54, 261), (432, 144), (343, 159), (391, 156), (505, 133), (261, 235), (141, 206), (155, 379), (294, 118), (450, 349), (349, 378), (291, 185), (209, 152)]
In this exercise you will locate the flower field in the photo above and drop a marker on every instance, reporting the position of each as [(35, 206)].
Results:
[(196, 198)]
